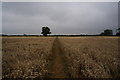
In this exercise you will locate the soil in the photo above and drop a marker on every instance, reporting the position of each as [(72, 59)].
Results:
[(57, 67)]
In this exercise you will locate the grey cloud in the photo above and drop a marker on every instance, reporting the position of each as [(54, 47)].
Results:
[(0, 17), (61, 17)]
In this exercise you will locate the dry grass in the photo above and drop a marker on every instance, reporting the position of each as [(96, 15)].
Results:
[(26, 57), (92, 57)]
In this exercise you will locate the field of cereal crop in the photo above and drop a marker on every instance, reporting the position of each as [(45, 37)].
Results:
[(62, 57), (26, 57)]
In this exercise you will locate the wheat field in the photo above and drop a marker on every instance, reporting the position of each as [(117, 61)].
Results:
[(25, 57), (92, 57), (74, 57)]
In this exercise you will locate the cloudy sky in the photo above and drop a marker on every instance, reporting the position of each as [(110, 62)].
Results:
[(61, 17)]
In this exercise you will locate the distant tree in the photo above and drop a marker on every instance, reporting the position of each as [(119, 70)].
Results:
[(45, 31), (24, 34), (118, 32), (102, 33), (4, 34), (107, 32)]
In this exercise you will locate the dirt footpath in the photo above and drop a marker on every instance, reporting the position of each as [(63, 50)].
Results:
[(57, 68)]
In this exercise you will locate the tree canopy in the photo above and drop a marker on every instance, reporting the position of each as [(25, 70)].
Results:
[(118, 32), (107, 32), (45, 31)]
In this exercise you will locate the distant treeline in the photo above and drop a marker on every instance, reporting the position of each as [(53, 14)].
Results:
[(54, 35), (46, 31)]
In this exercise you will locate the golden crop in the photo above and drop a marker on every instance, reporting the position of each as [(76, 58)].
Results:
[(26, 57), (92, 57), (80, 57)]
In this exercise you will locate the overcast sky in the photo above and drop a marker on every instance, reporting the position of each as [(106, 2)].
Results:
[(61, 17)]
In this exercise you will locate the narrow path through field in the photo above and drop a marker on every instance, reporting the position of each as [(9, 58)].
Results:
[(57, 68)]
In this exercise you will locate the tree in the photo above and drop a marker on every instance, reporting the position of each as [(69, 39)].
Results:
[(118, 32), (102, 33), (45, 31), (24, 34), (107, 32)]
